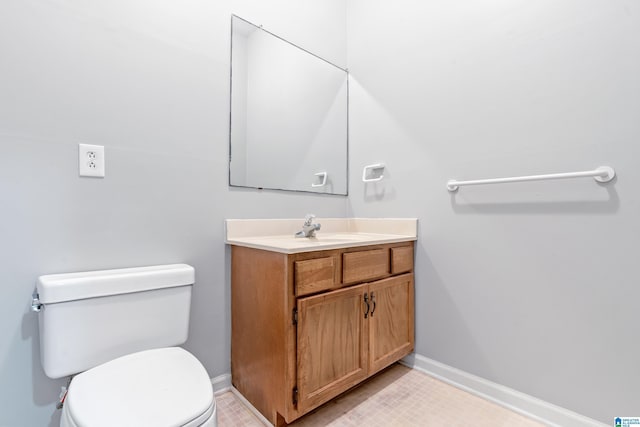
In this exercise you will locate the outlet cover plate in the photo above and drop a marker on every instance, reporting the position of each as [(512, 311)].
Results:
[(91, 160)]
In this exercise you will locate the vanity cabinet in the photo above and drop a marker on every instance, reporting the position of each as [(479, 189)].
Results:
[(309, 326)]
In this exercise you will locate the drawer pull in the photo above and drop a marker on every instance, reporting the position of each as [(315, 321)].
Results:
[(373, 300), (366, 301)]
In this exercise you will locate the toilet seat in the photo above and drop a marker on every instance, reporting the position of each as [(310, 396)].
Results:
[(152, 388)]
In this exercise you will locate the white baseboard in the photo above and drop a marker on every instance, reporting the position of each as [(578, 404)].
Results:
[(221, 383), (516, 401)]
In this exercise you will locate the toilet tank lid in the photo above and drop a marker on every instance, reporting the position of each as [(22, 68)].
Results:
[(53, 288)]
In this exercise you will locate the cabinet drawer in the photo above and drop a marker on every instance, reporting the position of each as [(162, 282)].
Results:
[(365, 265), (315, 275), (401, 259)]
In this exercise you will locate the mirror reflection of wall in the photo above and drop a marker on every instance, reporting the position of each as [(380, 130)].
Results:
[(288, 115)]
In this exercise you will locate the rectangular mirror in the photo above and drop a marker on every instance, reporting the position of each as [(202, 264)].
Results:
[(289, 115)]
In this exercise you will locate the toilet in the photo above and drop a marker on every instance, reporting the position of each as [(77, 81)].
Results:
[(116, 332)]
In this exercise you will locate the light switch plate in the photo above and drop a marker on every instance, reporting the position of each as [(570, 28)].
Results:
[(91, 160)]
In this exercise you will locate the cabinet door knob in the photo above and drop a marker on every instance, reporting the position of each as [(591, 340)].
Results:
[(366, 301), (373, 300)]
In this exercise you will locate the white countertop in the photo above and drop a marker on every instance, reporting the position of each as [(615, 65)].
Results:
[(278, 234)]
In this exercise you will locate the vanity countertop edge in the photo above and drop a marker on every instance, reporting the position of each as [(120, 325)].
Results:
[(277, 235)]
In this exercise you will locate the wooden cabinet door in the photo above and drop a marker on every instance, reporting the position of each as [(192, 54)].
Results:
[(332, 346), (391, 328)]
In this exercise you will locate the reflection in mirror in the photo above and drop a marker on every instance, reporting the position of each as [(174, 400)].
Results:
[(288, 115)]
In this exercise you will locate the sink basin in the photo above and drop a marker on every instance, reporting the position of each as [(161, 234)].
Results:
[(335, 237)]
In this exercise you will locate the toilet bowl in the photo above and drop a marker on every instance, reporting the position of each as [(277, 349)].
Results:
[(117, 331)]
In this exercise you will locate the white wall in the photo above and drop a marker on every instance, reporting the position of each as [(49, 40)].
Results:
[(533, 286), (149, 80)]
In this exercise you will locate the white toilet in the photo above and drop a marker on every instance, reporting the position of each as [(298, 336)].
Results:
[(115, 329)]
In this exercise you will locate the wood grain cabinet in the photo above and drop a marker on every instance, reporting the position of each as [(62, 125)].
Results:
[(306, 327)]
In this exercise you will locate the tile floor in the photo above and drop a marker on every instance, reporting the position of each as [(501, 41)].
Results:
[(397, 397)]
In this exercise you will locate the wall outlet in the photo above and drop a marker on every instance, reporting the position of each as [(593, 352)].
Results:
[(91, 160)]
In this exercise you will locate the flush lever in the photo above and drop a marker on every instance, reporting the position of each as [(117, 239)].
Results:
[(36, 305)]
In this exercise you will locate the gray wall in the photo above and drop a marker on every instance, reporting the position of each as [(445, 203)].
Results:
[(534, 285), (150, 82)]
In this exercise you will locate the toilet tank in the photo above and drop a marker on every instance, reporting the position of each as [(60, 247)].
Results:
[(92, 317)]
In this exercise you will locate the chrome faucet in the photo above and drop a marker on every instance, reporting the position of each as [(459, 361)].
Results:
[(308, 228)]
